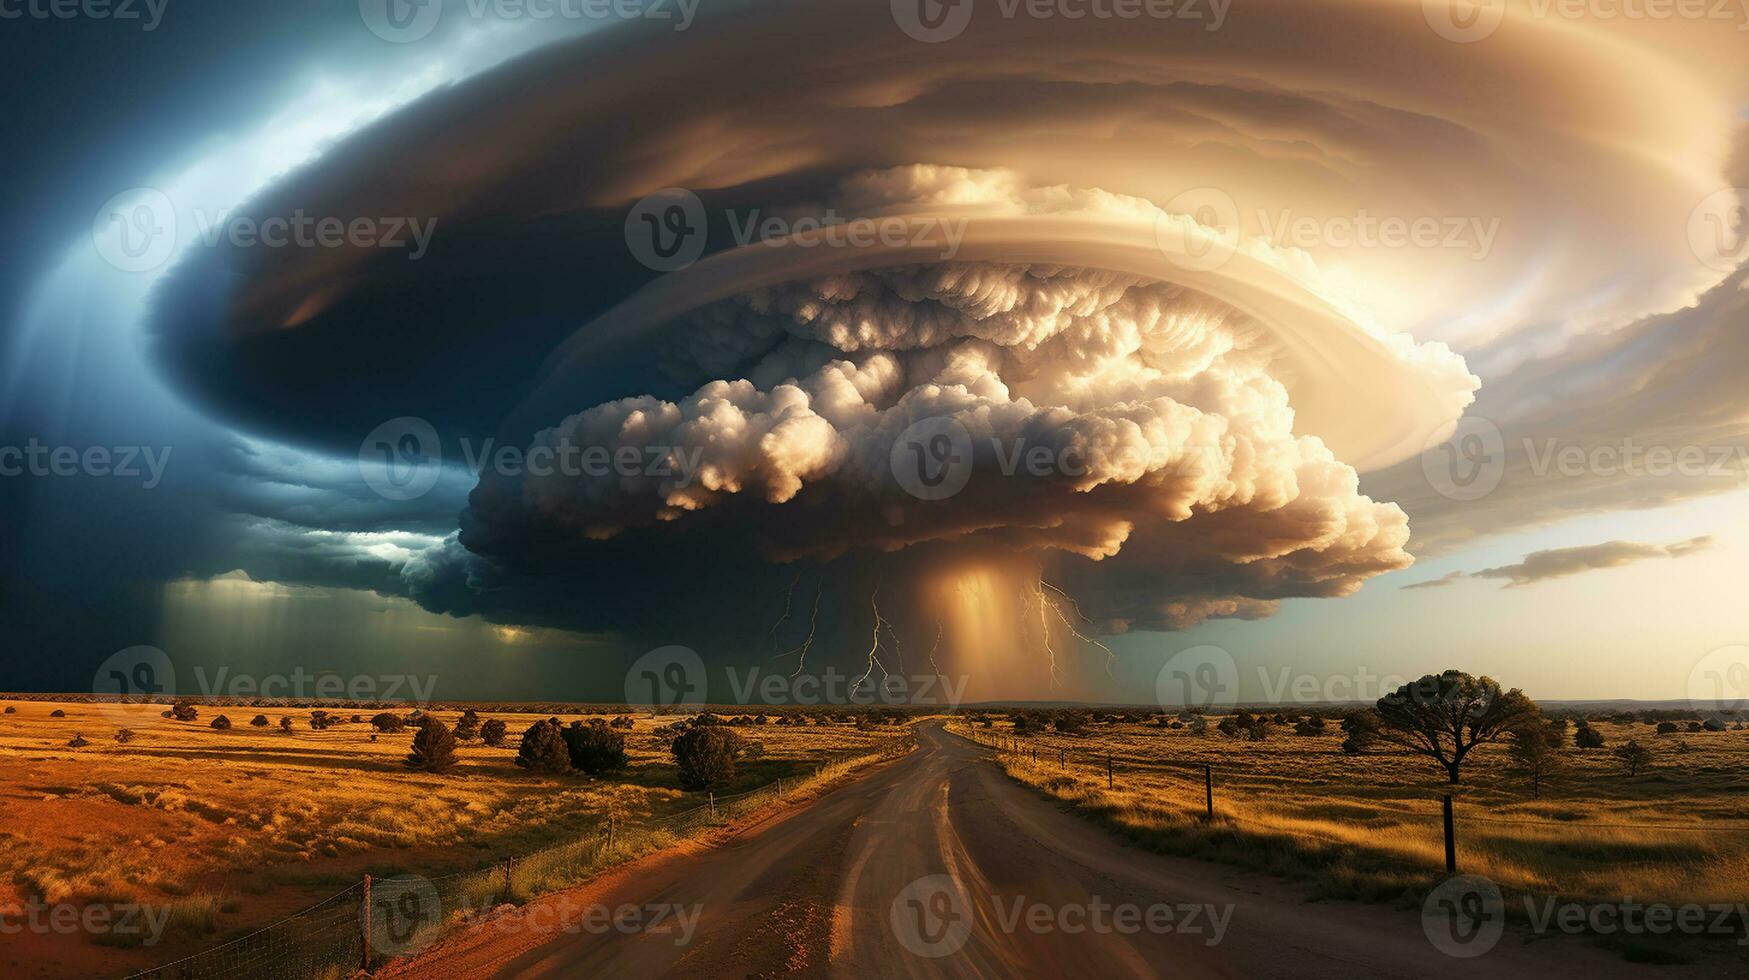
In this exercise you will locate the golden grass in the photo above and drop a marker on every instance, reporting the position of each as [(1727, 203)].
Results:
[(1369, 826), (233, 828)]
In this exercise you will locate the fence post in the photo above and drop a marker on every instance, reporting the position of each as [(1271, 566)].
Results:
[(1208, 789), (1450, 839), (364, 927), (1108, 778), (507, 879), (713, 806), (1062, 758)]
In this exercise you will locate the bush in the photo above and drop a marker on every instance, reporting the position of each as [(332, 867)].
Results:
[(57, 713), (221, 723), (77, 741), (10, 710), (259, 721), (467, 728), (543, 749), (285, 725), (706, 756), (622, 721), (433, 748), (492, 732), (388, 721), (595, 748), (184, 711), (1587, 737), (124, 735), (1667, 727)]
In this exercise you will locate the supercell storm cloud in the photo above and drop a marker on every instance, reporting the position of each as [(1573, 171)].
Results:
[(1151, 410)]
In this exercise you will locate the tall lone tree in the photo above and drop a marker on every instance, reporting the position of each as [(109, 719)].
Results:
[(1445, 716), (1536, 753), (433, 747)]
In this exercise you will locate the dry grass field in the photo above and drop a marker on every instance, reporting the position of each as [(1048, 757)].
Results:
[(227, 830), (1369, 826)]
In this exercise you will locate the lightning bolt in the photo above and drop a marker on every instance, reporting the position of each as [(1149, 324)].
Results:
[(813, 620), (934, 647), (1110, 657), (874, 659), (771, 634)]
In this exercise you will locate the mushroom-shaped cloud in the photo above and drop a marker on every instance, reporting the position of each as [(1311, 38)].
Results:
[(1017, 260)]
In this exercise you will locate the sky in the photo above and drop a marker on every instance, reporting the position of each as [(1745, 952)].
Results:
[(1333, 370)]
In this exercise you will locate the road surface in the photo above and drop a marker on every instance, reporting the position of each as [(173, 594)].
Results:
[(940, 866)]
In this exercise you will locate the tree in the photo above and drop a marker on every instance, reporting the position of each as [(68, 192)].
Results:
[(388, 721), (1633, 755), (706, 756), (595, 748), (492, 732), (543, 749), (433, 747), (1587, 737), (467, 728), (1445, 716), (1535, 749)]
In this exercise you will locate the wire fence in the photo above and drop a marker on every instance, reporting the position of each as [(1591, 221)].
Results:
[(374, 921), (1108, 764)]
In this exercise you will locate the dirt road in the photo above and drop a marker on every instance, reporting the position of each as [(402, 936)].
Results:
[(940, 866)]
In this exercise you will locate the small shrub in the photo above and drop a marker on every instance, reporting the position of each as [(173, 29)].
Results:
[(285, 725), (1587, 737), (467, 727), (388, 721), (57, 713), (221, 723), (492, 732), (10, 710), (433, 748), (1667, 727), (595, 748), (259, 721), (77, 742), (706, 756), (543, 749), (124, 735), (622, 721)]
